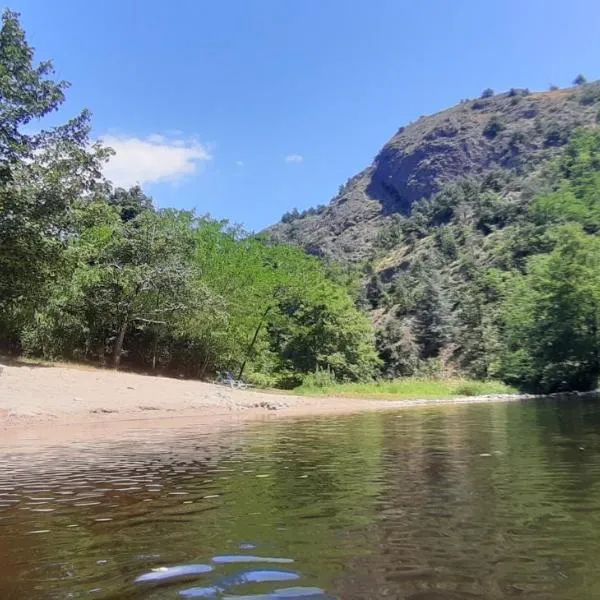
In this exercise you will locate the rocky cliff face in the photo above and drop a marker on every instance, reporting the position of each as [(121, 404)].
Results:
[(515, 131)]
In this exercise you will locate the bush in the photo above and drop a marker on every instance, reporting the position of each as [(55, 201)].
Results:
[(487, 93), (556, 135), (579, 80), (261, 380), (295, 214), (289, 381), (321, 378), (467, 389), (590, 95), (553, 88), (493, 127), (479, 104)]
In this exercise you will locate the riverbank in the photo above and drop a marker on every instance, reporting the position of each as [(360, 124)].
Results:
[(63, 401), (409, 388)]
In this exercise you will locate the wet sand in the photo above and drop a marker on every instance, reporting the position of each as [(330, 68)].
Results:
[(47, 404)]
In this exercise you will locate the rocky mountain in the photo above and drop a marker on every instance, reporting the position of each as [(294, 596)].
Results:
[(517, 132), (453, 208)]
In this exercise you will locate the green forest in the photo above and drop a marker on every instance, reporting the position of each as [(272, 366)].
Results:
[(502, 278)]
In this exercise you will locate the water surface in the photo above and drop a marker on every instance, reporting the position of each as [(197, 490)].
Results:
[(445, 503)]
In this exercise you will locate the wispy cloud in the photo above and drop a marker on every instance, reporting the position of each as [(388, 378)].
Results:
[(239, 163), (294, 159), (152, 159)]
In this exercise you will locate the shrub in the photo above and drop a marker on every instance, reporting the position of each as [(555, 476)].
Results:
[(555, 135), (289, 381), (579, 80), (493, 128), (487, 93), (553, 87), (319, 379), (261, 380), (467, 389), (590, 95)]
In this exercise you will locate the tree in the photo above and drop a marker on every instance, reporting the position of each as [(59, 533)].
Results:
[(131, 202), (432, 314), (26, 93), (551, 317), (577, 198), (41, 174), (487, 93), (398, 348), (124, 276), (579, 80), (285, 313)]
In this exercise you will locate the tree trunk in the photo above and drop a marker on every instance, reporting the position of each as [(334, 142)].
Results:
[(154, 350), (119, 343), (262, 319)]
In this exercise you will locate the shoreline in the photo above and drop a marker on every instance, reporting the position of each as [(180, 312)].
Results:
[(41, 404)]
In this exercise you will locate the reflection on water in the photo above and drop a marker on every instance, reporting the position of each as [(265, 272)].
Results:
[(447, 503)]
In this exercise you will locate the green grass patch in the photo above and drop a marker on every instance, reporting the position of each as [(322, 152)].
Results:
[(408, 389)]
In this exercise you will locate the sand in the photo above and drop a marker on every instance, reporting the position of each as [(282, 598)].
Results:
[(44, 404)]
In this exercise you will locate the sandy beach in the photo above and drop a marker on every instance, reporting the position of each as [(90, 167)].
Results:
[(60, 403)]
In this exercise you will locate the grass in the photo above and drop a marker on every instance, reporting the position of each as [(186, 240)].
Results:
[(408, 389)]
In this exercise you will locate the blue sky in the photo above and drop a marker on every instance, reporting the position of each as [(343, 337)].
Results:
[(248, 108)]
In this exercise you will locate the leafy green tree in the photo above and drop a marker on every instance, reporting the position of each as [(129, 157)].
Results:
[(125, 275), (551, 317), (131, 202), (285, 313), (577, 197), (41, 174)]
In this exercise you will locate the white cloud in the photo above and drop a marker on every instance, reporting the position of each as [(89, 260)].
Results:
[(294, 159), (156, 158), (239, 163)]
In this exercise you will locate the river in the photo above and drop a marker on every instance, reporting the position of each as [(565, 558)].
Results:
[(442, 503)]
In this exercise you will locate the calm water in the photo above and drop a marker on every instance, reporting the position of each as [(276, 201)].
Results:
[(473, 502)]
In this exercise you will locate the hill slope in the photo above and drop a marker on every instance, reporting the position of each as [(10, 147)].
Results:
[(453, 211), (515, 131)]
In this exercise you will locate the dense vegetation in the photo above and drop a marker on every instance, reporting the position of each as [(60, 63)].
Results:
[(498, 277), (90, 272), (492, 276)]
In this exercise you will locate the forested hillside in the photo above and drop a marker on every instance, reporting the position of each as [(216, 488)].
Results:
[(475, 231), (497, 278), (90, 272)]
